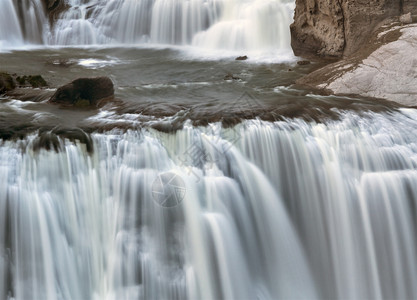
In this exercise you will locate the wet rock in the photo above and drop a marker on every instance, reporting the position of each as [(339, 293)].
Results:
[(6, 83), (53, 139), (230, 76), (54, 8), (406, 18), (66, 63), (303, 62), (84, 92), (244, 57), (36, 81)]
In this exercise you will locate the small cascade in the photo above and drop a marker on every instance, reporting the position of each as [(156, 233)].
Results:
[(10, 32), (214, 24), (33, 20), (249, 25), (22, 22)]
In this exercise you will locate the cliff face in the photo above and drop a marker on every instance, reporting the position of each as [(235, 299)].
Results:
[(340, 27)]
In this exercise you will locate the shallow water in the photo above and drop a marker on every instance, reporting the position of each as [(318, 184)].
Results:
[(163, 87)]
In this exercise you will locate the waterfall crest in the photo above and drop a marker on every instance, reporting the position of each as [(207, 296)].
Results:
[(278, 210)]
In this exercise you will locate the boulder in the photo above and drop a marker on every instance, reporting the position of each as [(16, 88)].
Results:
[(6, 83), (84, 92)]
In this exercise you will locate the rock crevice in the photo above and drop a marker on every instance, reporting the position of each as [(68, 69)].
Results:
[(339, 28)]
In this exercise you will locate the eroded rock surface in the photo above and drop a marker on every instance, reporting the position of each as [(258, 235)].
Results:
[(388, 72), (340, 27)]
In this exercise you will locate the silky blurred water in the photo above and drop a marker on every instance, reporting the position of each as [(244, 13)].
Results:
[(205, 177), (271, 210)]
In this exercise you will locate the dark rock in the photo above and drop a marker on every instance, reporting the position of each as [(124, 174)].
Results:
[(53, 139), (36, 81), (84, 92), (230, 76), (54, 8), (241, 57), (6, 83), (303, 62)]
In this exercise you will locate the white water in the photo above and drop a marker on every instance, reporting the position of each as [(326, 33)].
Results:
[(10, 32), (30, 27), (235, 25), (286, 210)]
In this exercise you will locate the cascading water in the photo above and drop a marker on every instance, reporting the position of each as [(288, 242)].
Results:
[(22, 22), (10, 32), (260, 210), (242, 25), (79, 225)]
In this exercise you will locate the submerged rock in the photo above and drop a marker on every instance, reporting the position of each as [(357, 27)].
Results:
[(6, 83), (84, 92), (230, 76), (303, 62), (244, 57)]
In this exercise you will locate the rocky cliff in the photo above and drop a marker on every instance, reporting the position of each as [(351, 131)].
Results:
[(340, 27), (385, 68)]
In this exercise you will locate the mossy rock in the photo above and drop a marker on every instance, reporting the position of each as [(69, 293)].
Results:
[(36, 81), (6, 82), (82, 103), (21, 80), (84, 92)]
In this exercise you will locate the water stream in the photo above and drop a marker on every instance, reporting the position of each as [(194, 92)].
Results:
[(190, 186)]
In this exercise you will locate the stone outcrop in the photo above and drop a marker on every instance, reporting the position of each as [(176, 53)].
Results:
[(387, 69), (84, 92), (6, 83), (340, 27)]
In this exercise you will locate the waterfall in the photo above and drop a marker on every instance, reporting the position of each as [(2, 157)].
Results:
[(10, 32), (33, 20), (283, 210), (239, 25)]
